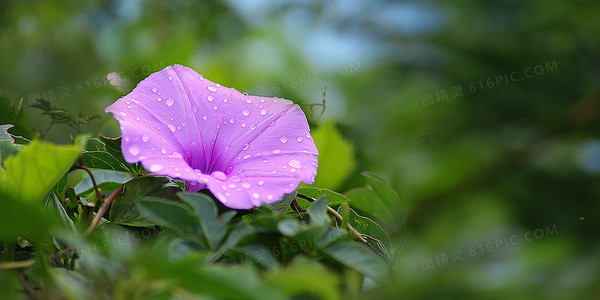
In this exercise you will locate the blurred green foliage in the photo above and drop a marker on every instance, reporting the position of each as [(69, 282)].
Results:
[(482, 115)]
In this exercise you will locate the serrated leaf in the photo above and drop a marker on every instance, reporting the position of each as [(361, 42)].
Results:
[(39, 163), (169, 214), (124, 210), (336, 156), (205, 209)]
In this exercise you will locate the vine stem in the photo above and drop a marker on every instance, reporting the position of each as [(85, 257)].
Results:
[(103, 209), (26, 286), (339, 217), (93, 181)]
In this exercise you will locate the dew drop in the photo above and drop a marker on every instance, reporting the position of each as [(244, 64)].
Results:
[(170, 77), (210, 98), (145, 138), (194, 108), (163, 150), (172, 127), (231, 185), (261, 183), (269, 197), (276, 151), (283, 139), (247, 156), (299, 139), (156, 167), (294, 163), (177, 155), (262, 100), (243, 125), (170, 101), (246, 146), (215, 107), (123, 114), (204, 118), (219, 175), (245, 113), (263, 112), (224, 100), (154, 89), (158, 99), (232, 120), (308, 136), (212, 88), (246, 185), (255, 195), (252, 126), (134, 150)]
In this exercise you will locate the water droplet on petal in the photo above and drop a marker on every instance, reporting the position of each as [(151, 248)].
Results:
[(154, 89), (243, 125), (163, 150), (269, 197), (170, 77), (145, 138), (158, 99), (276, 151), (231, 185), (299, 139), (261, 183), (224, 100), (170, 101), (204, 118), (219, 175), (215, 107), (248, 101), (209, 98), (263, 112), (156, 167), (232, 120), (123, 114), (247, 156), (212, 88), (194, 108), (172, 127), (283, 139), (246, 146), (252, 126), (245, 113), (246, 185), (134, 150), (262, 100), (255, 195), (294, 163)]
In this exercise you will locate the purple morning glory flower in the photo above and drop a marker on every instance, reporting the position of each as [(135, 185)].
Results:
[(246, 150)]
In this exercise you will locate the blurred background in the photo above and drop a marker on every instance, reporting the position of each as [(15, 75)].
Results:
[(484, 116)]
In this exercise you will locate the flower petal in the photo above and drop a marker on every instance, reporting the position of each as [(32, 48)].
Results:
[(247, 150)]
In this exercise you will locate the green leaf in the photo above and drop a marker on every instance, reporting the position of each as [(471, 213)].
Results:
[(40, 164), (368, 202), (205, 209), (288, 227), (304, 276), (7, 143), (367, 226), (169, 214), (283, 204), (104, 161), (382, 189), (318, 211), (316, 193), (106, 180), (24, 219), (358, 257), (53, 206), (336, 156), (123, 209)]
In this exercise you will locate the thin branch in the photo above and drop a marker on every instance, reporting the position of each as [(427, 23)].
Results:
[(93, 181), (17, 265), (103, 209), (26, 286)]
